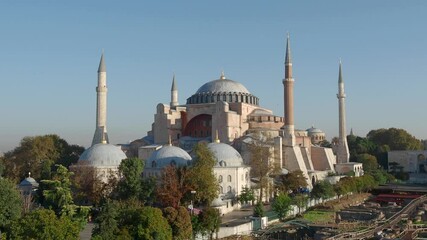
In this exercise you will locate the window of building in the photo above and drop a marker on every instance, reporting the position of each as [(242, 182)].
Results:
[(220, 178), (229, 189), (229, 178), (153, 164), (221, 190)]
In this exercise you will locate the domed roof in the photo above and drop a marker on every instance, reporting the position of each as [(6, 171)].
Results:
[(222, 85), (225, 155), (168, 155), (29, 181), (314, 130), (103, 155)]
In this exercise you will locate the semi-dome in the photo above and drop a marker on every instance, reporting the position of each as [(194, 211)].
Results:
[(222, 89), (225, 155), (103, 155), (168, 155)]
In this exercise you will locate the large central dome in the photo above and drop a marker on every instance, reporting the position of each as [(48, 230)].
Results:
[(223, 85), (222, 89)]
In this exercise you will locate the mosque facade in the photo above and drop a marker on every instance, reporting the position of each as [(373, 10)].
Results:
[(229, 108)]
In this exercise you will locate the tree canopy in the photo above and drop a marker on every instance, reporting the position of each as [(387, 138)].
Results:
[(44, 224), (10, 204), (37, 155), (282, 205), (201, 176)]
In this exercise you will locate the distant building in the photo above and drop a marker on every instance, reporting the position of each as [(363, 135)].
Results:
[(411, 161)]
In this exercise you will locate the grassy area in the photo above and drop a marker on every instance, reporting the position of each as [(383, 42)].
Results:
[(319, 216)]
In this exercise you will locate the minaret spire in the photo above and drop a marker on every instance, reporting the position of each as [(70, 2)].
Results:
[(101, 135), (288, 83), (343, 154), (174, 93)]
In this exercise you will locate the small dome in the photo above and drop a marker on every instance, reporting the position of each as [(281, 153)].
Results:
[(29, 181), (314, 130), (168, 155), (223, 85), (103, 155), (225, 155)]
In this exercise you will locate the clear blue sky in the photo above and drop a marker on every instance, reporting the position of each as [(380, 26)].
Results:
[(50, 50)]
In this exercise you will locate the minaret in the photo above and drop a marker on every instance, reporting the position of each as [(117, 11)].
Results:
[(288, 83), (343, 154), (174, 93), (100, 135)]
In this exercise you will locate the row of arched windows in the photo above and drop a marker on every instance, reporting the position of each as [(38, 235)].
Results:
[(228, 178), (226, 97)]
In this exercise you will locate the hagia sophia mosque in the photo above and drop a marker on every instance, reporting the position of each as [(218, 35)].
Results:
[(227, 116)]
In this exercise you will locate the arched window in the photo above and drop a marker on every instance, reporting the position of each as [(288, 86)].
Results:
[(153, 164), (229, 178), (220, 179), (218, 97), (229, 189), (173, 163), (221, 190), (247, 176)]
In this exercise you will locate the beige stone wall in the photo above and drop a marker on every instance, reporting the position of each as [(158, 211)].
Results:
[(409, 160)]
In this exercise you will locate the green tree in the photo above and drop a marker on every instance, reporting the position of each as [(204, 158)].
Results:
[(130, 183), (282, 205), (395, 138), (368, 161), (180, 222), (37, 155), (210, 220), (300, 200), (201, 176), (322, 189), (10, 204), (341, 188), (44, 224), (259, 209), (57, 192), (247, 195), (292, 181), (106, 225)]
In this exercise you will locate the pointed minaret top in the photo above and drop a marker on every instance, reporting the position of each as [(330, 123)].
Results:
[(340, 80), (216, 137), (102, 67), (288, 58), (222, 75), (173, 84), (29, 174), (351, 132)]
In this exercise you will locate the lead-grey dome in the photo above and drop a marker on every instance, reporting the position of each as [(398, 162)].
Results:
[(225, 155), (103, 155), (314, 130), (223, 85), (29, 181), (168, 155), (225, 90)]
